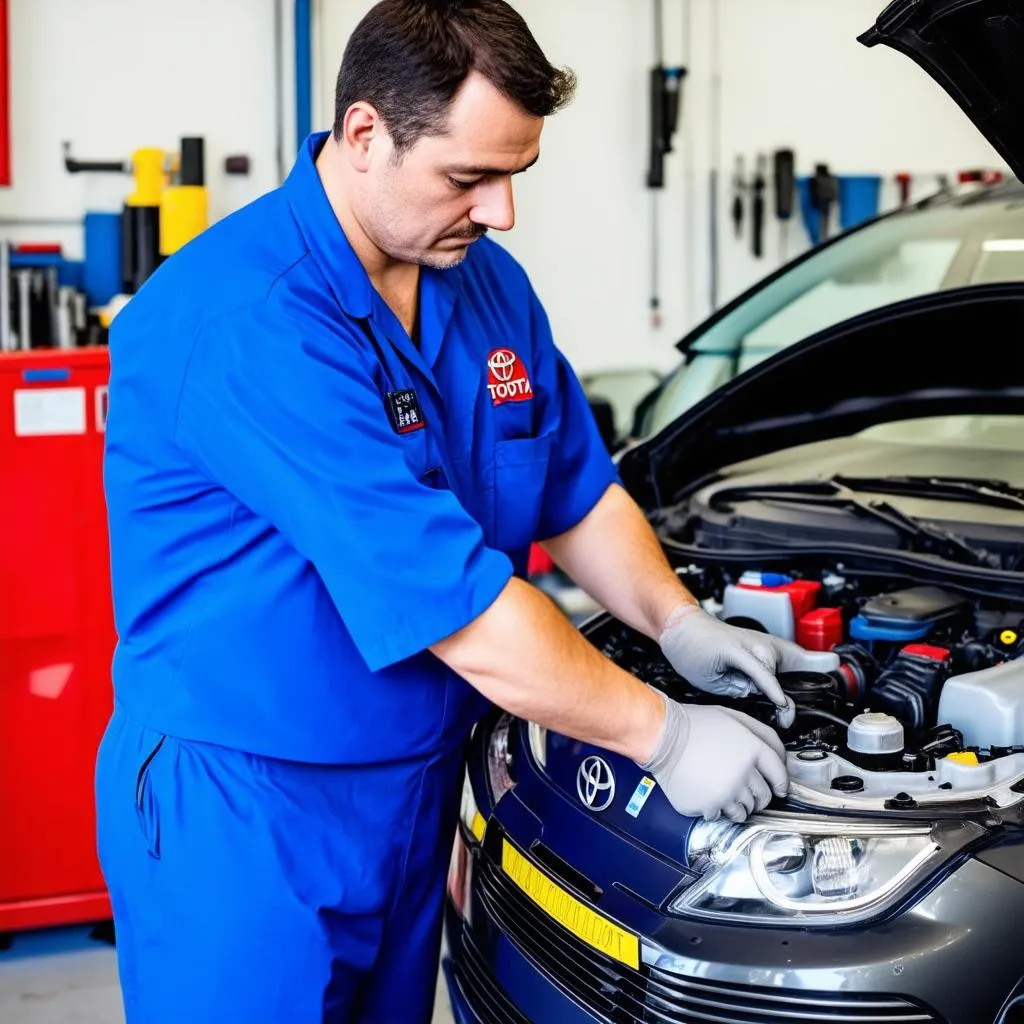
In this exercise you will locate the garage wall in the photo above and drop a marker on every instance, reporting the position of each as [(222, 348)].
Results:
[(791, 75), (110, 76), (779, 73)]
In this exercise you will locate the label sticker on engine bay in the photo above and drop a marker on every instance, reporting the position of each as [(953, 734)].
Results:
[(640, 795)]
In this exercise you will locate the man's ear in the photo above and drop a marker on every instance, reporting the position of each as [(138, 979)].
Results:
[(361, 128)]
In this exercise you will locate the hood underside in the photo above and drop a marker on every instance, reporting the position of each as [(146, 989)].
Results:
[(954, 352), (973, 50)]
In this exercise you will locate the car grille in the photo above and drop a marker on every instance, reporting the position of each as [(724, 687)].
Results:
[(480, 988), (617, 994)]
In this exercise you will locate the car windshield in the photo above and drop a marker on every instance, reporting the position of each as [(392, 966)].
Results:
[(915, 252), (992, 432)]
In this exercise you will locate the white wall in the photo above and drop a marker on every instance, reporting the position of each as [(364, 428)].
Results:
[(110, 76), (794, 76), (788, 73)]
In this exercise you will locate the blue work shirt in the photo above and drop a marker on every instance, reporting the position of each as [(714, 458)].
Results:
[(301, 501)]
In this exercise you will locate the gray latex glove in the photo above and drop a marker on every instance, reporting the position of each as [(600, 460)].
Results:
[(732, 662), (714, 761)]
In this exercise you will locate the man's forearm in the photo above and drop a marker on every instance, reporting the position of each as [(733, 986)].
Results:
[(614, 555), (527, 658)]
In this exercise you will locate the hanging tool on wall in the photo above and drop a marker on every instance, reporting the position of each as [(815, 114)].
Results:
[(823, 192), (859, 199), (784, 181), (739, 185), (757, 207), (903, 180), (665, 85)]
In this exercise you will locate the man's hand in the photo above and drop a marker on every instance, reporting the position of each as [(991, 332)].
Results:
[(714, 762), (732, 662)]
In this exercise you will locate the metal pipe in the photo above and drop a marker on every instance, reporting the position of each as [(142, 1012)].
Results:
[(303, 71), (659, 34), (690, 260), (5, 97), (49, 222), (24, 278), (65, 317), (6, 344), (716, 151), (279, 87)]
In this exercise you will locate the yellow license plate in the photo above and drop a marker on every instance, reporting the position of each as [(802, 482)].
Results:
[(584, 923)]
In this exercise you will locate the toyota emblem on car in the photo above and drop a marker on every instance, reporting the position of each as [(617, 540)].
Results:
[(595, 783)]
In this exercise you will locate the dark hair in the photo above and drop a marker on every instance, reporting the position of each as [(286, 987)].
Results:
[(409, 57)]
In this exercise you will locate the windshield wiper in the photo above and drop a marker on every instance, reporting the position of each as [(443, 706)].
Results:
[(835, 493), (994, 493)]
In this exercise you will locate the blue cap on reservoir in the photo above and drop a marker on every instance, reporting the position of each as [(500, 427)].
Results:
[(765, 579), (865, 629)]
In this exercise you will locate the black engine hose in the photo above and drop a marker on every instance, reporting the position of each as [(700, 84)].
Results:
[(802, 710)]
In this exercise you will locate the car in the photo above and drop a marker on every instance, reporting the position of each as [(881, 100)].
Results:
[(615, 396), (951, 239), (862, 491)]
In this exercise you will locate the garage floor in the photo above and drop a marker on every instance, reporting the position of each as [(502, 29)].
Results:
[(65, 977)]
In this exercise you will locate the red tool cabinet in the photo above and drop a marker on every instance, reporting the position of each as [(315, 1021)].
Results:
[(56, 634)]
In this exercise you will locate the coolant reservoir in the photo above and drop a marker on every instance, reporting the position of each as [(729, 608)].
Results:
[(875, 733), (986, 706), (772, 608)]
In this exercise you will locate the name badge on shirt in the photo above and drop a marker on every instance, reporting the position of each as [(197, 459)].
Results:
[(404, 411)]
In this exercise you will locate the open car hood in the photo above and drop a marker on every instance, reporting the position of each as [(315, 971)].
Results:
[(948, 353), (973, 49)]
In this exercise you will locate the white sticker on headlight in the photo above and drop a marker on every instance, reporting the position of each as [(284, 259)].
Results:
[(640, 795)]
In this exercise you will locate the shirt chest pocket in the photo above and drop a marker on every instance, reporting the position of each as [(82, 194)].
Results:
[(520, 472)]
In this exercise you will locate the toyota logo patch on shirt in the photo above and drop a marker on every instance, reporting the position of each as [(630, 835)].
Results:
[(507, 380)]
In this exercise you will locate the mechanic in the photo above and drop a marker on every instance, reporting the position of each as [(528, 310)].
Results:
[(337, 422)]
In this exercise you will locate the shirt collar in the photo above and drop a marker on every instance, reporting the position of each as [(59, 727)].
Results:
[(336, 257), (323, 234)]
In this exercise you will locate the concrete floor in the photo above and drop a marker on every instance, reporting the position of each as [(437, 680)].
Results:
[(63, 976)]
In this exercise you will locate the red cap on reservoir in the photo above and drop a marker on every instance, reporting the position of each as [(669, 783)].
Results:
[(820, 630), (803, 594), (927, 651)]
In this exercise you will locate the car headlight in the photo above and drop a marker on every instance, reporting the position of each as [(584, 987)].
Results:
[(805, 873), (469, 812), (538, 737), (499, 759)]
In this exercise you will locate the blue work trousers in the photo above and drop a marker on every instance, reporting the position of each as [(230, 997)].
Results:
[(258, 891)]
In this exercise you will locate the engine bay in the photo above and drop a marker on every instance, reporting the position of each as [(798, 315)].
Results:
[(925, 706)]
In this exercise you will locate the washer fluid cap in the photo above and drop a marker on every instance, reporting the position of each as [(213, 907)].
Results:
[(875, 733)]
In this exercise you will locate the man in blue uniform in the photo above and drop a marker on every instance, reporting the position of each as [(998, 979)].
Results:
[(337, 422)]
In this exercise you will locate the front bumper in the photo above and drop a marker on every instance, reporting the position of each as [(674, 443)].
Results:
[(952, 958)]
